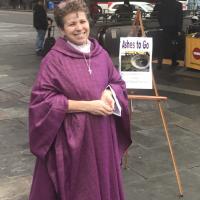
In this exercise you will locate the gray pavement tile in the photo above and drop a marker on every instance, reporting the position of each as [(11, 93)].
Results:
[(190, 81), (150, 163), (190, 125), (20, 55), (151, 191), (160, 75), (182, 98), (5, 85), (195, 170), (10, 130), (17, 60), (7, 104), (4, 68), (20, 90), (13, 103), (25, 99), (191, 184), (13, 112), (23, 120), (129, 175), (187, 153), (12, 79), (155, 137), (11, 126), (24, 33), (8, 148), (8, 96), (145, 120), (180, 90), (17, 164), (28, 81), (189, 111), (20, 73), (145, 106), (29, 59), (134, 128), (189, 145), (153, 162), (15, 188), (164, 77), (164, 188), (188, 73)]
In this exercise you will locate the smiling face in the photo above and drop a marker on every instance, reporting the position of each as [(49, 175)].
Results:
[(76, 27)]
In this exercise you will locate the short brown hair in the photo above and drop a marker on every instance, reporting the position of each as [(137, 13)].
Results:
[(64, 8)]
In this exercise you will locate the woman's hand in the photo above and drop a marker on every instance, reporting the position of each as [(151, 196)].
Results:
[(107, 98), (104, 106), (95, 107), (99, 107)]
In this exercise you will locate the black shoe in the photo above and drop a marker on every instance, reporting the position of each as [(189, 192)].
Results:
[(159, 65), (174, 64)]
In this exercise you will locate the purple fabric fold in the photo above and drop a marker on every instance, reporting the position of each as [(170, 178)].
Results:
[(123, 122), (47, 106)]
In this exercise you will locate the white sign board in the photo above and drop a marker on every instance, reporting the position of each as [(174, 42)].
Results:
[(135, 62)]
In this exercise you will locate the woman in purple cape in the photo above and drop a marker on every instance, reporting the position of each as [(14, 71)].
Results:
[(78, 116)]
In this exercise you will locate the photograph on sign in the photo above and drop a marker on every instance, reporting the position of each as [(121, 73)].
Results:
[(135, 62)]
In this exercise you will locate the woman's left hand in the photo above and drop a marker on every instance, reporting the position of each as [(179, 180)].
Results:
[(108, 98)]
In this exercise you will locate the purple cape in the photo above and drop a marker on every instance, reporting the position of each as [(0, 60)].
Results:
[(78, 154)]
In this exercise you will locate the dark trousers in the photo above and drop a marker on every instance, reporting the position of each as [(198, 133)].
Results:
[(169, 45)]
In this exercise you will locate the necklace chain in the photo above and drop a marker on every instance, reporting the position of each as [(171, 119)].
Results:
[(88, 64)]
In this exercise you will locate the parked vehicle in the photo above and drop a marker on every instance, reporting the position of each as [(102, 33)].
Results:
[(111, 7), (104, 5), (143, 6)]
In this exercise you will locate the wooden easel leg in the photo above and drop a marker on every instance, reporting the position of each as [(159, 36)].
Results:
[(171, 150), (169, 141)]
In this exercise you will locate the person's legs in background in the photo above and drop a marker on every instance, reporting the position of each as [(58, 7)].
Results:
[(168, 47), (174, 46), (174, 54), (39, 41), (161, 50)]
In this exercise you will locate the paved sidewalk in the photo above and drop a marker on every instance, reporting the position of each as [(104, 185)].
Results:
[(150, 174)]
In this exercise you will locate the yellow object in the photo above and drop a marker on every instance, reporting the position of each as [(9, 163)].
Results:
[(192, 52)]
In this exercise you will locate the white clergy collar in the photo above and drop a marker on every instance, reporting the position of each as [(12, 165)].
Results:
[(84, 48)]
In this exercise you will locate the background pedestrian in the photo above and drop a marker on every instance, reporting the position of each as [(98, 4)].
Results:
[(170, 17), (40, 22), (125, 11)]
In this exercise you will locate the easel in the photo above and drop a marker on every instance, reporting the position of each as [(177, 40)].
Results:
[(140, 32)]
